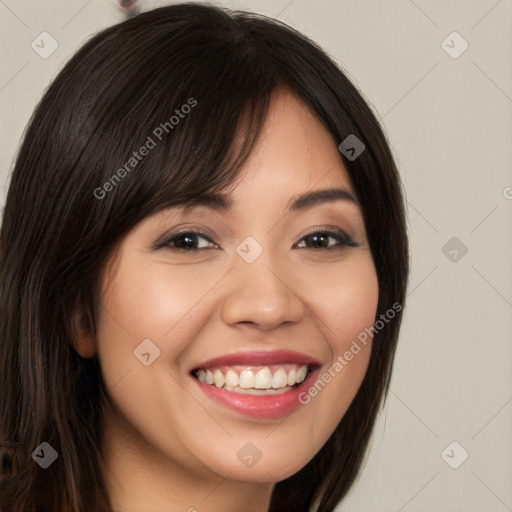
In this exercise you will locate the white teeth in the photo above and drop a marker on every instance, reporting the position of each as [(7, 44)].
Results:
[(231, 379), (279, 379), (218, 378), (291, 377), (258, 379), (301, 374), (263, 379), (246, 379)]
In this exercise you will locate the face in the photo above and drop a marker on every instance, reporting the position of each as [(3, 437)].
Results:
[(224, 333)]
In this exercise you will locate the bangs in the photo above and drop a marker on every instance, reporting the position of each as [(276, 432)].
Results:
[(179, 130)]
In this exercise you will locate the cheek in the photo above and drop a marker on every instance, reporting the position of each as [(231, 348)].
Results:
[(346, 306), (345, 300), (152, 303), (149, 302)]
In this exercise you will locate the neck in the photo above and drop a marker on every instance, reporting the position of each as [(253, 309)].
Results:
[(140, 477)]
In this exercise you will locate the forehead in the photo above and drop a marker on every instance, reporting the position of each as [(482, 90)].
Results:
[(295, 153)]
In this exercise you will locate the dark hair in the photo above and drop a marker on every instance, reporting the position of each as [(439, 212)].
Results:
[(66, 213)]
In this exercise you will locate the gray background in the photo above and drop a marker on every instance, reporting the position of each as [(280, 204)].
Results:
[(450, 125)]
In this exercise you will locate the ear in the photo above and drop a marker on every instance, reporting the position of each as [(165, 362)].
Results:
[(83, 339)]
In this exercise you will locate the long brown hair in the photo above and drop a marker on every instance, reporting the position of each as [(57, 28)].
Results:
[(59, 229)]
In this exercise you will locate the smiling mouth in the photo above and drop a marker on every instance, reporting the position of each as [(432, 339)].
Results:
[(255, 379)]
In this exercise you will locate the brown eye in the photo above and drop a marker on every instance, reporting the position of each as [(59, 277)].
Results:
[(326, 240), (187, 241)]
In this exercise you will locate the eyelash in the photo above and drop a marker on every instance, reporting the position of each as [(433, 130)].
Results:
[(343, 239)]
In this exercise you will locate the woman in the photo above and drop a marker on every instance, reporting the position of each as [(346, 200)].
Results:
[(203, 268)]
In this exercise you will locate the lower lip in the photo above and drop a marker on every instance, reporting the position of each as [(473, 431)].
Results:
[(259, 406)]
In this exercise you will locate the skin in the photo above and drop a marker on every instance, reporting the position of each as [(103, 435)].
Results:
[(168, 447)]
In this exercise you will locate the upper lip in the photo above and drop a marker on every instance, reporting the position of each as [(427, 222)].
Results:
[(255, 358)]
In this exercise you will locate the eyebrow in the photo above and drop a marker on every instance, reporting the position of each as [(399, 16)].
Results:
[(222, 202), (330, 195)]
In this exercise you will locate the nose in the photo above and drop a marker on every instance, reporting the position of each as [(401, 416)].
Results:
[(260, 295)]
